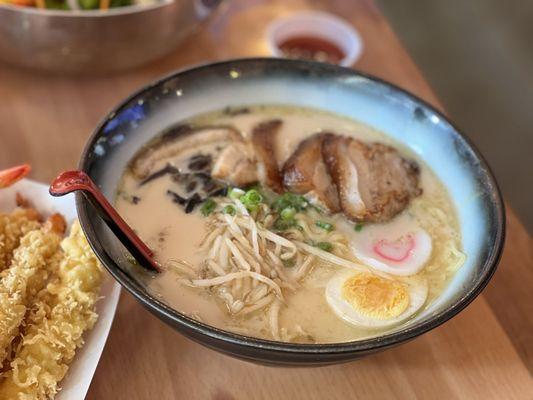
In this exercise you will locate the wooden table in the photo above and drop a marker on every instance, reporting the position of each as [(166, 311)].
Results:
[(485, 352)]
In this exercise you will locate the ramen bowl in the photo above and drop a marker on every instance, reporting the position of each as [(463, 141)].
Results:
[(404, 117), (94, 41)]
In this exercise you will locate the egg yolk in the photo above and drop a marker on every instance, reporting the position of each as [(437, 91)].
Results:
[(375, 297)]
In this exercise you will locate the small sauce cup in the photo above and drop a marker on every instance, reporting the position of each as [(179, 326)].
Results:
[(315, 36)]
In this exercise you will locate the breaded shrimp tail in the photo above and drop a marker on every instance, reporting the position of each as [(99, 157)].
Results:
[(13, 227), (23, 279), (51, 338)]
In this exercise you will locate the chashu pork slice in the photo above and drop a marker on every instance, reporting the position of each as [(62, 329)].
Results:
[(179, 139), (263, 141), (244, 163), (305, 172), (374, 181), (236, 165)]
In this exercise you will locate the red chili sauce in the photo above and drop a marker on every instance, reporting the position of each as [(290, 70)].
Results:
[(311, 48)]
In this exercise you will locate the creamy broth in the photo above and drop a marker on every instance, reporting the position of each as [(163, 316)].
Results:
[(305, 316)]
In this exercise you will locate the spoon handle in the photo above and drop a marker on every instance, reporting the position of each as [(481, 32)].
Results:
[(71, 181)]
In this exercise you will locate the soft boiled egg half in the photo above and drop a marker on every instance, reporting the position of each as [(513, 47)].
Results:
[(370, 301), (399, 247)]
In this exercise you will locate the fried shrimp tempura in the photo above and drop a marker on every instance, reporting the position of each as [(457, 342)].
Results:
[(13, 227), (63, 311), (24, 279)]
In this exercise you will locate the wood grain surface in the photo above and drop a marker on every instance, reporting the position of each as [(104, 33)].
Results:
[(486, 352)]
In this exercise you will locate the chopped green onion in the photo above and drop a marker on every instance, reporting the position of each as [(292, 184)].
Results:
[(287, 213), (258, 188), (358, 227), (295, 201), (325, 225), (252, 196), (251, 199), (208, 207), (326, 246), (229, 209), (235, 193)]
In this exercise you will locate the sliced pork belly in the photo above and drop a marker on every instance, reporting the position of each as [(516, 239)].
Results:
[(263, 142), (344, 175), (179, 139), (236, 165), (374, 181), (244, 163), (388, 180), (305, 173)]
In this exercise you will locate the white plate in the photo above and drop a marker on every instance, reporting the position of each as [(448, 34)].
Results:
[(76, 382)]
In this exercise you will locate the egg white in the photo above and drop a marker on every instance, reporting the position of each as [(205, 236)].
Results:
[(417, 289)]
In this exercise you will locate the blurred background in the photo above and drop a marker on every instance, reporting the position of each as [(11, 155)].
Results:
[(478, 57)]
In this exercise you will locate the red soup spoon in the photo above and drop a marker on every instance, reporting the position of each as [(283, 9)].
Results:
[(71, 181)]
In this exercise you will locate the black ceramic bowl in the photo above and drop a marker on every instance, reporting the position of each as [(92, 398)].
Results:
[(344, 91)]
